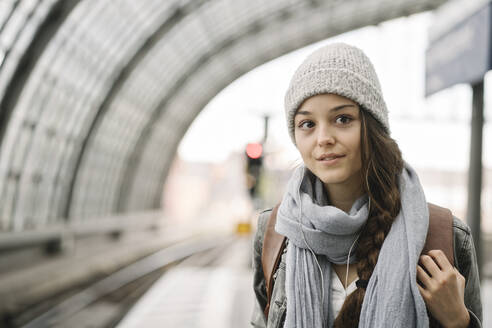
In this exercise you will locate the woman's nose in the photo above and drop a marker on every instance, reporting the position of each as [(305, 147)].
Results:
[(325, 137)]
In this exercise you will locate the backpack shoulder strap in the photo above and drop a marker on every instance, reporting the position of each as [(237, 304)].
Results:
[(273, 245), (439, 236), (440, 233)]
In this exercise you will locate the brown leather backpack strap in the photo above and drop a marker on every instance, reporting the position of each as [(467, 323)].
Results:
[(440, 234), (273, 244)]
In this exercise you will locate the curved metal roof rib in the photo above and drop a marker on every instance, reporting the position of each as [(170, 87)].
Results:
[(61, 98), (264, 38), (95, 123), (26, 28), (174, 15)]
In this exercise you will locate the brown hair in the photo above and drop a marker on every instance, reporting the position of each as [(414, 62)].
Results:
[(382, 165)]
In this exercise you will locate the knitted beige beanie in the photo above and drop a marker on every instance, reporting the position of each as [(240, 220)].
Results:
[(340, 69)]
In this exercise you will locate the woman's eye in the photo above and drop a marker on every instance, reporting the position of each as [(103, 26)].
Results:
[(343, 119), (306, 125)]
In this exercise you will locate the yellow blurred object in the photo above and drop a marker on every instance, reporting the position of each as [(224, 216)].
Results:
[(243, 228)]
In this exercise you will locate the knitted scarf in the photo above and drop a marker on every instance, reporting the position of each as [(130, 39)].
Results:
[(321, 234)]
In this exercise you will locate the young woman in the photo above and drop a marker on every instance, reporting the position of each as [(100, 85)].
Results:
[(355, 216)]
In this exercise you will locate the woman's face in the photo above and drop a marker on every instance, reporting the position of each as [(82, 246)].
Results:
[(327, 133)]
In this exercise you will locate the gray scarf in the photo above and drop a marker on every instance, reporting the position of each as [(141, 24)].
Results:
[(392, 298)]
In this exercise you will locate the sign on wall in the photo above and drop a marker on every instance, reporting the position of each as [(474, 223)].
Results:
[(461, 54)]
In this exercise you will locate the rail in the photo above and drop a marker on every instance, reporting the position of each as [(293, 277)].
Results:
[(54, 237), (79, 301)]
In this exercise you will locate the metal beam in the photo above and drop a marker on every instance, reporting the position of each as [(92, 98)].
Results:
[(132, 163), (179, 14), (29, 59), (473, 211)]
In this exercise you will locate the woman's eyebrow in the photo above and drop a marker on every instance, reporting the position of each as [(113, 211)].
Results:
[(334, 109)]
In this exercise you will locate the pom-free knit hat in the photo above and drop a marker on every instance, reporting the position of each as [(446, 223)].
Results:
[(340, 69)]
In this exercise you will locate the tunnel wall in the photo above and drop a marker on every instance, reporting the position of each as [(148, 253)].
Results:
[(91, 119)]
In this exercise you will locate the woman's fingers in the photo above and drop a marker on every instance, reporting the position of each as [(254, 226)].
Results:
[(424, 292), (442, 288), (423, 277), (428, 264), (441, 259)]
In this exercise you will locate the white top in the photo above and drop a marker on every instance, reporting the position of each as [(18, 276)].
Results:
[(338, 293)]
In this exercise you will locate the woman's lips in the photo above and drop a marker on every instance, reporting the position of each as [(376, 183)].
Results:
[(331, 161)]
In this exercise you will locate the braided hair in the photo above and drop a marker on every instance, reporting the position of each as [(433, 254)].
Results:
[(382, 165)]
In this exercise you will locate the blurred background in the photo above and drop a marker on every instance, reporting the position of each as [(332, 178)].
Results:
[(140, 140)]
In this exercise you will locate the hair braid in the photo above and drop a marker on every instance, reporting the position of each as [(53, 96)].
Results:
[(381, 165)]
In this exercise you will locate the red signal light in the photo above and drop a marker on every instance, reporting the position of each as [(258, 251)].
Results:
[(254, 150)]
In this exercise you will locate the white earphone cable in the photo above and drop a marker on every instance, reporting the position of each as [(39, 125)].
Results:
[(350, 250), (348, 260), (314, 255)]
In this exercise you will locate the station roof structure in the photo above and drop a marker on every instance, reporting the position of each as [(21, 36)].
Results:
[(96, 95)]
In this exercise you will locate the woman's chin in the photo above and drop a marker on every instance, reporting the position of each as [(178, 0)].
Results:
[(333, 178), (337, 177)]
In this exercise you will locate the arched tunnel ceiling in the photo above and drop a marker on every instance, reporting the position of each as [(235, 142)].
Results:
[(96, 121)]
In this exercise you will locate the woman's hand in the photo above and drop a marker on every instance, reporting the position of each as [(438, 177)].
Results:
[(444, 289)]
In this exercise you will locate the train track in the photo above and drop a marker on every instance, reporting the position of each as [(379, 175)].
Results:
[(104, 302)]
